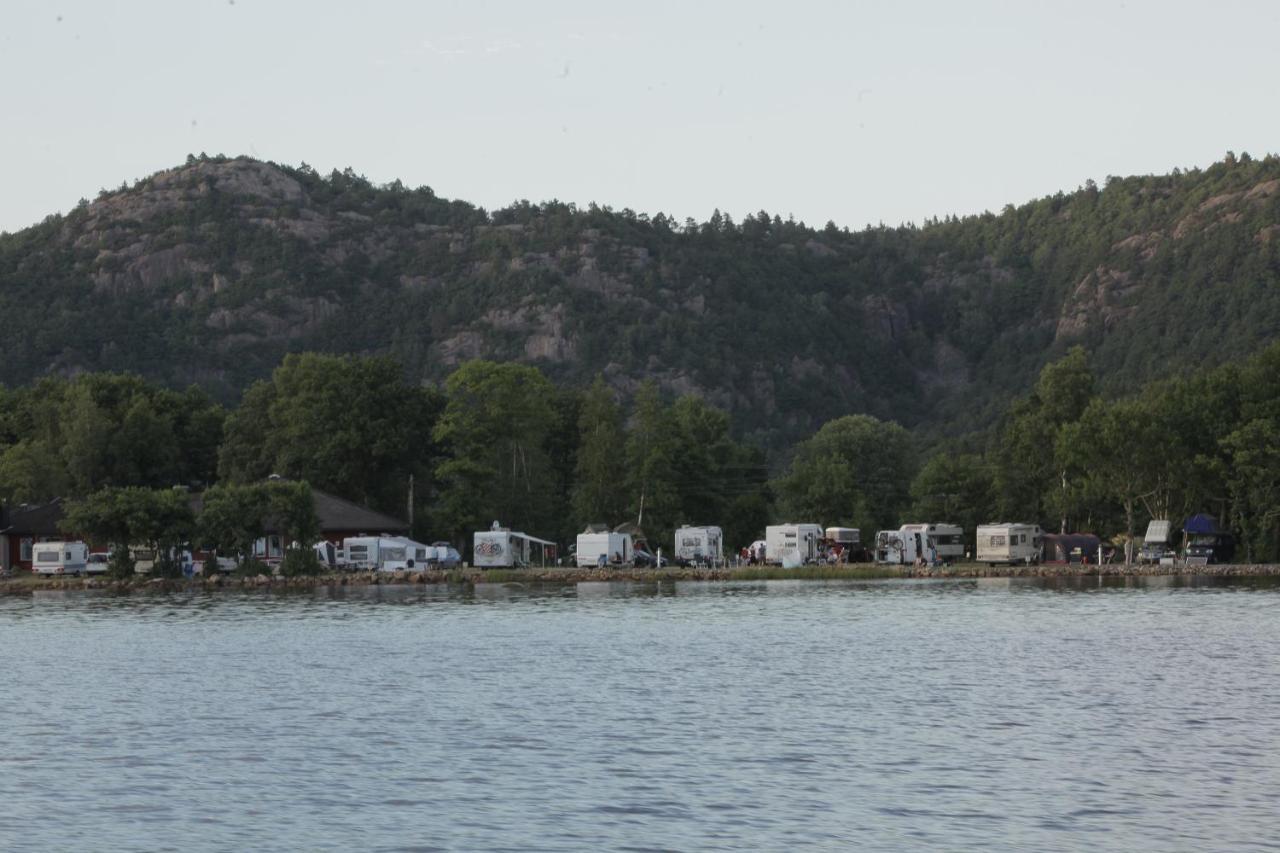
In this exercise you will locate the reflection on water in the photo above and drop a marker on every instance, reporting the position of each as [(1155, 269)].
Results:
[(1010, 714)]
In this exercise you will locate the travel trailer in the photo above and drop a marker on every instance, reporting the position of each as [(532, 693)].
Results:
[(947, 539), (1009, 543), (846, 543), (1157, 545), (604, 549), (792, 545), (500, 547), (59, 558), (699, 546), (385, 553)]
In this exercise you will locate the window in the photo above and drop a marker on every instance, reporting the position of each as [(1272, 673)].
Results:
[(24, 548), (46, 556), (997, 541)]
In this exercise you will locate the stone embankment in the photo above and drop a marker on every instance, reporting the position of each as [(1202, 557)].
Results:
[(26, 583)]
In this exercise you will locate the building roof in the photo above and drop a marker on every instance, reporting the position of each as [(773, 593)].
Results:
[(338, 515), (24, 520)]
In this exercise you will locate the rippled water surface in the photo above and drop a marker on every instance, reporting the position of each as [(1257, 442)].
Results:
[(946, 715)]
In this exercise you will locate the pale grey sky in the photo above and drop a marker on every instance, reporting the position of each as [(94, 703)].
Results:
[(857, 112)]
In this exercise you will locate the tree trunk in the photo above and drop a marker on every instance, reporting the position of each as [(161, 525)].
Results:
[(1128, 545)]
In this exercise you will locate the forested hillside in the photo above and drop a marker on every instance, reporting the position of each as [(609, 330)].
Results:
[(211, 272)]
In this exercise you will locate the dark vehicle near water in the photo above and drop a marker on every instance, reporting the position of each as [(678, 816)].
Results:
[(1204, 542)]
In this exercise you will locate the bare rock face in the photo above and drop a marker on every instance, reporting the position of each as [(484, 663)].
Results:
[(1102, 299)]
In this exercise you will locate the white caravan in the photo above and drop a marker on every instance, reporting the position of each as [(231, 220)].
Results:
[(601, 549), (947, 539), (1009, 543), (792, 545), (385, 553), (699, 546), (503, 548), (59, 558)]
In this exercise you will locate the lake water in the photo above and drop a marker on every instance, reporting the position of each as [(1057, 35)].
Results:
[(1003, 715)]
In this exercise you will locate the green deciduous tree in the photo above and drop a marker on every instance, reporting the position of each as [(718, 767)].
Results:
[(344, 424), (855, 471), (131, 515), (599, 491), (495, 431)]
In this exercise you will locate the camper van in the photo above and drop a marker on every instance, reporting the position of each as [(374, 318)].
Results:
[(895, 548), (59, 558), (604, 549), (699, 546), (1009, 543), (385, 553), (502, 548), (792, 545), (846, 542)]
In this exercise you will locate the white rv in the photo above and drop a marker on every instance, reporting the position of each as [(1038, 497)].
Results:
[(59, 558), (792, 545), (601, 549), (1009, 543), (699, 546), (385, 553), (947, 540), (898, 547), (500, 547)]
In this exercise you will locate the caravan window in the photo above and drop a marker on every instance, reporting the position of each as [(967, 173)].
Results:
[(46, 556), (358, 552), (393, 553), (997, 541)]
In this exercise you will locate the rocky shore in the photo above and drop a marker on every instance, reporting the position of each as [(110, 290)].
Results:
[(26, 583)]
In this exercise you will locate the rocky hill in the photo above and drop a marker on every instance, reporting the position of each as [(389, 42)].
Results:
[(210, 272)]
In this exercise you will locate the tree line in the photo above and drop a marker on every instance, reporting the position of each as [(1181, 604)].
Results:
[(501, 441)]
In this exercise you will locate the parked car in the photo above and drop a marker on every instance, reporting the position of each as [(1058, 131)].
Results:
[(97, 563)]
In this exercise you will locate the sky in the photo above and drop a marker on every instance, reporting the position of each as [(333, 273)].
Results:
[(853, 112)]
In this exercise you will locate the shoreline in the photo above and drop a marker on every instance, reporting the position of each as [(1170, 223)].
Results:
[(27, 583)]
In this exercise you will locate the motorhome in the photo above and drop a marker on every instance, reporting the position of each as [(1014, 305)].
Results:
[(699, 546), (898, 547), (385, 553), (792, 545), (1157, 545), (59, 558), (1009, 543), (846, 543), (500, 547), (604, 549)]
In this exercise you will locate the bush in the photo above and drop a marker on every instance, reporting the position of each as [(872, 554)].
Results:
[(120, 565), (300, 561), (249, 567)]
